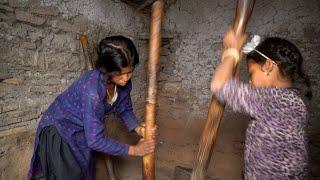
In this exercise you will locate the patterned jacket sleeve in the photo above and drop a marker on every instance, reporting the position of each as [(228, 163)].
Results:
[(94, 127), (243, 97), (124, 110)]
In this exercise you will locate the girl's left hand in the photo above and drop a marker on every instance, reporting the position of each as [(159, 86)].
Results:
[(140, 130)]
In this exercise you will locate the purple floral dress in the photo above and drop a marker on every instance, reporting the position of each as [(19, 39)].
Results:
[(276, 139)]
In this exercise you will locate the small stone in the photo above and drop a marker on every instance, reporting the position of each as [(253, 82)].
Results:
[(18, 3), (27, 17), (14, 81), (19, 31), (65, 26), (3, 151), (8, 17), (57, 61), (172, 87), (43, 89), (46, 41), (65, 42), (4, 1), (6, 8), (168, 77), (28, 45), (34, 102), (81, 24), (34, 36), (44, 10), (10, 107)]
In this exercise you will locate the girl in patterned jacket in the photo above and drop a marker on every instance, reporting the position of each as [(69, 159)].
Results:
[(276, 139)]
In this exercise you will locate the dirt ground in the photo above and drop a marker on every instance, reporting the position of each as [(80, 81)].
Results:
[(15, 155), (177, 145)]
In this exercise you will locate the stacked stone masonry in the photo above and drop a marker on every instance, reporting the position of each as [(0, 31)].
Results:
[(41, 55)]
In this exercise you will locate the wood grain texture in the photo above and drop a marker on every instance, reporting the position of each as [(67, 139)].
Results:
[(85, 46), (153, 66)]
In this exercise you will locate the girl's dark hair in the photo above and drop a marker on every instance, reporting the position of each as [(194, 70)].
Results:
[(114, 53), (288, 59)]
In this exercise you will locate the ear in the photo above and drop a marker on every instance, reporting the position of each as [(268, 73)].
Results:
[(267, 66)]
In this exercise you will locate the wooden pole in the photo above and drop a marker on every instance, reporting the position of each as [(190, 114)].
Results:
[(153, 64), (85, 47), (215, 112), (243, 13)]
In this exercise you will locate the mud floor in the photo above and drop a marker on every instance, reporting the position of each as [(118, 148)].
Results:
[(178, 143)]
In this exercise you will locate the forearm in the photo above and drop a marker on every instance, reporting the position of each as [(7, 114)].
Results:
[(229, 59), (108, 145), (223, 73)]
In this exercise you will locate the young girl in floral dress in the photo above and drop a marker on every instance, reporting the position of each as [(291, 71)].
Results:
[(276, 139)]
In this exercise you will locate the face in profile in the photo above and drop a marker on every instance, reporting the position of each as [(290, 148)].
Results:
[(122, 77)]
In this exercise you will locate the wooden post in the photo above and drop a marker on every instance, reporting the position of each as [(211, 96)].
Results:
[(153, 64), (215, 112)]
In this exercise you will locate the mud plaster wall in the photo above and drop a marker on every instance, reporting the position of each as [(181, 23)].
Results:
[(40, 55)]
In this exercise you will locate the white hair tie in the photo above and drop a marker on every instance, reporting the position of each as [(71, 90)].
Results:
[(251, 46)]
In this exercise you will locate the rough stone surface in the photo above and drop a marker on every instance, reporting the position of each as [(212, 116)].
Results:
[(37, 8), (40, 56), (18, 3), (6, 8), (27, 17), (3, 1)]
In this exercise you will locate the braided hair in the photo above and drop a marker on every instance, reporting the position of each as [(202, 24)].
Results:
[(288, 59)]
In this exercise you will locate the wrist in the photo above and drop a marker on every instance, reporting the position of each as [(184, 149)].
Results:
[(138, 130), (231, 53), (131, 151)]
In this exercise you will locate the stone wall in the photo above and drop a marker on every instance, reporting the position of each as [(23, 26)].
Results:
[(40, 56), (41, 53)]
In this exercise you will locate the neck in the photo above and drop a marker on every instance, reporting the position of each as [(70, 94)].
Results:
[(283, 83), (110, 85), (111, 88)]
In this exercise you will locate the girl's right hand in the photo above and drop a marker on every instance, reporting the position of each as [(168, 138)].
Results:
[(143, 147)]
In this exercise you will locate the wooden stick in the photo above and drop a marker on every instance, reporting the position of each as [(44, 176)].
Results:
[(85, 47), (153, 66), (243, 13), (215, 112)]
